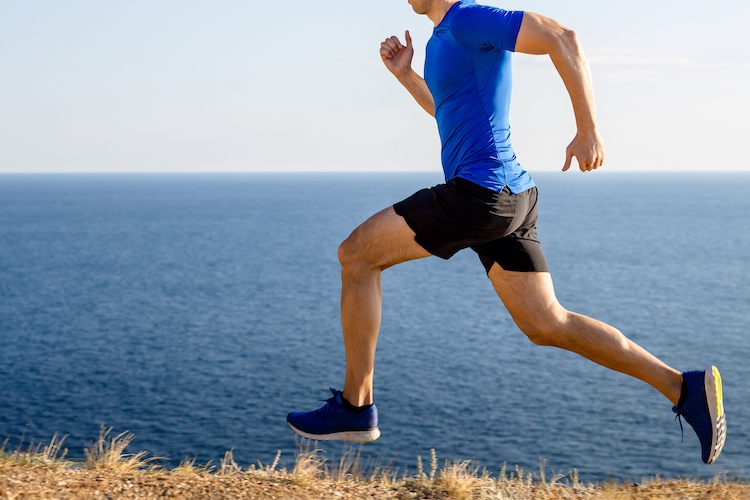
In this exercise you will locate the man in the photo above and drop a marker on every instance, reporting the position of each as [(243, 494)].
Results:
[(488, 204)]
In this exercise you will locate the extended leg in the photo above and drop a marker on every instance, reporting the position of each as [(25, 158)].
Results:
[(530, 299), (380, 242)]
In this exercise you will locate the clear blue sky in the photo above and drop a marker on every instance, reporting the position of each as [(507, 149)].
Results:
[(91, 86)]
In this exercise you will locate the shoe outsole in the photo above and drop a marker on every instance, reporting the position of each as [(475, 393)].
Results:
[(715, 402), (352, 436)]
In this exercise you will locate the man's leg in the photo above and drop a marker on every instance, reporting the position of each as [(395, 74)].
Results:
[(530, 299), (382, 241)]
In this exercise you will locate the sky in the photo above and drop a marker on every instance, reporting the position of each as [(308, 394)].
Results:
[(249, 86)]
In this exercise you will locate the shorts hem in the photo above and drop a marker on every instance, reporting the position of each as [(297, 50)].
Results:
[(417, 239)]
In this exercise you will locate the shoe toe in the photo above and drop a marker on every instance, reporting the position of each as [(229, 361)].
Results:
[(294, 418)]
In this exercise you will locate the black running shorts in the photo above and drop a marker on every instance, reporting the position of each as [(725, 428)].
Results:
[(499, 227)]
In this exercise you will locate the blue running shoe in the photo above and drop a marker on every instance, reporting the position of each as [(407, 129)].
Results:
[(702, 405), (333, 422)]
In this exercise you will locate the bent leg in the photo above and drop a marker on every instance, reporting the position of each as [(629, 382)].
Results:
[(382, 241), (530, 299)]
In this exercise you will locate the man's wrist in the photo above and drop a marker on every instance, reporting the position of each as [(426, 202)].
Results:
[(407, 76), (588, 129)]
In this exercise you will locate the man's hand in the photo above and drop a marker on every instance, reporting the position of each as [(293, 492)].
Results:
[(396, 56), (588, 149)]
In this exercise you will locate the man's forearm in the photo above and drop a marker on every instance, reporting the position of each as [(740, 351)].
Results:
[(417, 87), (570, 62), (542, 35)]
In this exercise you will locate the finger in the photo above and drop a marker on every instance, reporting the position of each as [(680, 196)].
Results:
[(407, 35), (396, 42), (385, 52), (568, 160), (393, 44), (598, 160)]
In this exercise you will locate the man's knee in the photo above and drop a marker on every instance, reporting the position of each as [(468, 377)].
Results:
[(350, 252), (546, 330), (538, 335), (347, 252)]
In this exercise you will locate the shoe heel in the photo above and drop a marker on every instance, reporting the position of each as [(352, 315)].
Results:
[(715, 400)]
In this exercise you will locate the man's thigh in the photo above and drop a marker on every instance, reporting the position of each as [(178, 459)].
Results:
[(382, 241), (528, 296)]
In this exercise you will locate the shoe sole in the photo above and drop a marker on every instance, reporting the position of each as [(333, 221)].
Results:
[(353, 436), (715, 402)]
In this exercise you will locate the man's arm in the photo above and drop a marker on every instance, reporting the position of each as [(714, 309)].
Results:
[(397, 58), (542, 35)]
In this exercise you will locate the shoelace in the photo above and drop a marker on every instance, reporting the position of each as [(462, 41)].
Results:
[(678, 417), (329, 402)]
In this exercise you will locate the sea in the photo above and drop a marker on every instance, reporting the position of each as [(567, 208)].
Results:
[(196, 310)]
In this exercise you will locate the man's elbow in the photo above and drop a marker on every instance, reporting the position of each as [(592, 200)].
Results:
[(566, 40)]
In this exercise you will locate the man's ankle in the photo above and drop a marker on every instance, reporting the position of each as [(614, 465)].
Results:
[(353, 409)]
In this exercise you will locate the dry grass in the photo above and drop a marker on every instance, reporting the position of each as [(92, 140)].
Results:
[(108, 453), (52, 454), (42, 472)]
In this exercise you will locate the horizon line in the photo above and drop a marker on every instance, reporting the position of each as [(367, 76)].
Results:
[(162, 172)]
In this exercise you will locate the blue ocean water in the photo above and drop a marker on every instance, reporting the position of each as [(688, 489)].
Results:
[(197, 310)]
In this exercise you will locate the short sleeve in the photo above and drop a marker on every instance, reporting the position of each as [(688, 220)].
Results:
[(483, 26)]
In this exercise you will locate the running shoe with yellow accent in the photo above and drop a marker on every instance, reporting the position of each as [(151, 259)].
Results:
[(333, 422), (702, 406)]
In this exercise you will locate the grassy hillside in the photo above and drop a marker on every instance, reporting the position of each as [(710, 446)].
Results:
[(43, 472)]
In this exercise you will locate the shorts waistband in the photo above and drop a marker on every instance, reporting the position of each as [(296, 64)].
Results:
[(479, 194)]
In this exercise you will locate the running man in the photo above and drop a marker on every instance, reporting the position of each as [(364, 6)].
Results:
[(489, 204)]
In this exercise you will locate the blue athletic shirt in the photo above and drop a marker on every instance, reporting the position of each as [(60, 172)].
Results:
[(468, 72)]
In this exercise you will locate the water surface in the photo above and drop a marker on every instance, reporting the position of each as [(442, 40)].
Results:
[(197, 310)]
